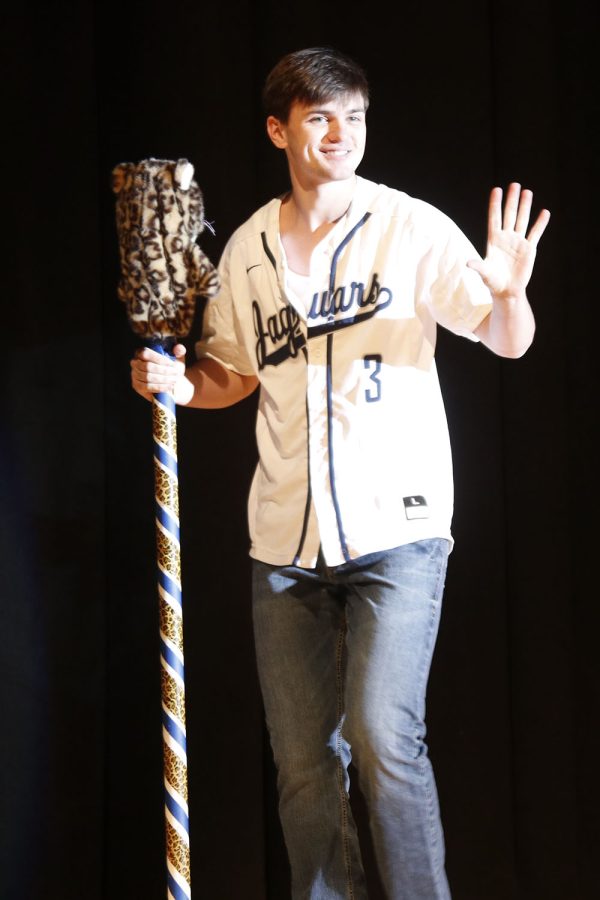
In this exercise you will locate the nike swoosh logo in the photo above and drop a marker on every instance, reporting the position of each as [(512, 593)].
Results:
[(256, 265)]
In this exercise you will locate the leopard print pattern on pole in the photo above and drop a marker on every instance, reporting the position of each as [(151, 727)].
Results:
[(172, 649)]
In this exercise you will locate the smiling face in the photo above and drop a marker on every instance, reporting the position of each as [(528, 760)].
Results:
[(323, 142)]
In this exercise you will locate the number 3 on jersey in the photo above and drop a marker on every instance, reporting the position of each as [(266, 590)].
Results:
[(373, 364)]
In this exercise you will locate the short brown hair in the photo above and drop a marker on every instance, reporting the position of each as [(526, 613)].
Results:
[(313, 75)]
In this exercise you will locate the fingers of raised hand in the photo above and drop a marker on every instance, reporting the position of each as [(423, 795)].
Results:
[(523, 212), (516, 213), (495, 211), (511, 206), (538, 227)]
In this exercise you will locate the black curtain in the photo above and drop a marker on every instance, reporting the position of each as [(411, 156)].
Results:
[(464, 96)]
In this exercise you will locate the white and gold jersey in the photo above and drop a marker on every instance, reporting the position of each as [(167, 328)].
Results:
[(354, 452)]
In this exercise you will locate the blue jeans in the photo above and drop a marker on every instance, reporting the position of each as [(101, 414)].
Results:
[(343, 658)]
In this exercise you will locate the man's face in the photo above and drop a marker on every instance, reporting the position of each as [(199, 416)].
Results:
[(324, 141)]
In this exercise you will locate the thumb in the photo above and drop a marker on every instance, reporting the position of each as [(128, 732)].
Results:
[(179, 352), (476, 264), (479, 266)]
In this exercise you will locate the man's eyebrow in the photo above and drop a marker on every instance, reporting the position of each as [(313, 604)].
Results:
[(327, 111)]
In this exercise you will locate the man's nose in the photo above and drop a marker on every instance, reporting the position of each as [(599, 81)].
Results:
[(336, 130)]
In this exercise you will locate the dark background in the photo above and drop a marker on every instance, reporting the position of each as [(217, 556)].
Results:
[(465, 96)]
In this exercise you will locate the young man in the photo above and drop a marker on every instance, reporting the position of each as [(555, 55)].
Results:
[(330, 299)]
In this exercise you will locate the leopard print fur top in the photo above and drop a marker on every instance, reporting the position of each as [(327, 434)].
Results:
[(160, 213)]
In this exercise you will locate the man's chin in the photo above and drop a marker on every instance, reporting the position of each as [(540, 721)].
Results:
[(340, 172)]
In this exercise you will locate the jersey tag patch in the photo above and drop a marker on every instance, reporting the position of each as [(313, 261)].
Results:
[(416, 507)]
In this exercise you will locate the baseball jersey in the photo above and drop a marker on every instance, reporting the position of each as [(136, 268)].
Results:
[(353, 443)]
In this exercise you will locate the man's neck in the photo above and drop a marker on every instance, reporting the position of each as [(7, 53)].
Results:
[(307, 216), (317, 207)]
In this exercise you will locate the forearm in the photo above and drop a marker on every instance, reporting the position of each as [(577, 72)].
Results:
[(208, 385), (509, 328)]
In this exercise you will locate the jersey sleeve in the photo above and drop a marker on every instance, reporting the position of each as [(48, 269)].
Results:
[(221, 337), (455, 294)]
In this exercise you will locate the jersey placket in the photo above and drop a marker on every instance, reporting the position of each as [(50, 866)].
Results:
[(320, 409)]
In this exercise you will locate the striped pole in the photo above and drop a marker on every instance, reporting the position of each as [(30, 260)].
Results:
[(163, 271), (166, 493)]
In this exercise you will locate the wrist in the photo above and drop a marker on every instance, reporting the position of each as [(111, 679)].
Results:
[(510, 302), (183, 391)]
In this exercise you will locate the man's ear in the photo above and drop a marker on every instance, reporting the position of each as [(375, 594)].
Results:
[(276, 131)]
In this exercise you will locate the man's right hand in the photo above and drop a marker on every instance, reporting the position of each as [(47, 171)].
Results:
[(205, 384), (153, 373)]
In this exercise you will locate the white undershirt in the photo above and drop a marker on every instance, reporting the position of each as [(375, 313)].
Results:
[(299, 288)]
